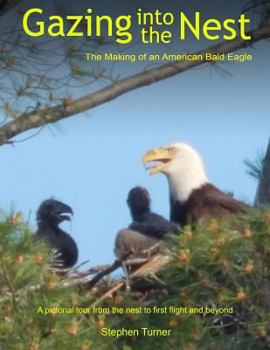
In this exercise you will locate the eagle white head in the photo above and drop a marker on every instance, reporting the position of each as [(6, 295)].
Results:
[(182, 165)]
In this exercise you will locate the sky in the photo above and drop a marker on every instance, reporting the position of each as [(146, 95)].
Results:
[(92, 160)]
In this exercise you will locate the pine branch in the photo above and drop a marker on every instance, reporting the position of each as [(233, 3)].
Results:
[(43, 116), (73, 278)]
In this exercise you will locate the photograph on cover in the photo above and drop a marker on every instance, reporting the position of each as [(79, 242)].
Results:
[(135, 177)]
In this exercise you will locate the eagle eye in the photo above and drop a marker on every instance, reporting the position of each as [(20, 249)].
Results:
[(171, 150)]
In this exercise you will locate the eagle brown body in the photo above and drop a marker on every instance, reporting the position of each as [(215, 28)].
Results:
[(204, 203)]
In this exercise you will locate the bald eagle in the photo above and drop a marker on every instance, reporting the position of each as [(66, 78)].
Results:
[(146, 230), (49, 215), (193, 198), (144, 220)]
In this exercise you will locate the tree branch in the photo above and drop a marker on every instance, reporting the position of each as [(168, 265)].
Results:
[(8, 6), (44, 116), (90, 284)]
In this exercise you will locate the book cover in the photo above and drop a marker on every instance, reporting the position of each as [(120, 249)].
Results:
[(135, 174)]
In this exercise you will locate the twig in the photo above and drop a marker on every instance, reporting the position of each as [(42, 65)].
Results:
[(103, 273), (149, 268)]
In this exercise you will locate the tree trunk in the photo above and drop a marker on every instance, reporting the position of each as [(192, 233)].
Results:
[(263, 191)]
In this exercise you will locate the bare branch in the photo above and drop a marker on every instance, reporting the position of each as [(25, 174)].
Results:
[(44, 116), (102, 274), (155, 264)]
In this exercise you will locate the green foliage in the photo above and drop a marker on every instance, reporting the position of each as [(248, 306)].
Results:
[(220, 264), (26, 283), (254, 167)]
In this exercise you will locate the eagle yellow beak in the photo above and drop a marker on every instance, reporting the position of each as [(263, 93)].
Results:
[(160, 155)]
